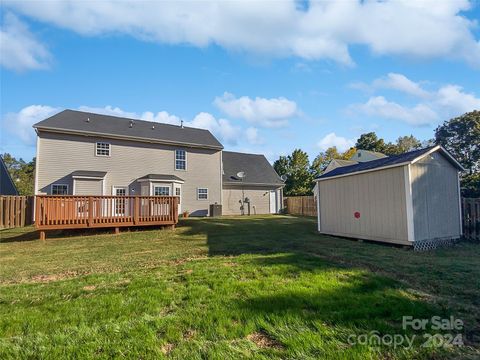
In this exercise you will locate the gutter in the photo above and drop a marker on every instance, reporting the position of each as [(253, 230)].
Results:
[(254, 184)]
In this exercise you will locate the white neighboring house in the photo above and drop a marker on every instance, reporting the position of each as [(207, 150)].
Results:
[(359, 156), (410, 199)]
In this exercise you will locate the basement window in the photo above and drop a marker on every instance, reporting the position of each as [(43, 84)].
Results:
[(59, 189)]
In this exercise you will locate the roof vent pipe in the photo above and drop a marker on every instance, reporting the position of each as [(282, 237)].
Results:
[(181, 124), (88, 119), (131, 124)]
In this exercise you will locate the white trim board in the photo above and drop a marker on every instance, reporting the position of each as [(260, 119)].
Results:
[(409, 203), (444, 152)]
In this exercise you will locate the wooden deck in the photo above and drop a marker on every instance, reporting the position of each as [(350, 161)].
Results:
[(76, 212)]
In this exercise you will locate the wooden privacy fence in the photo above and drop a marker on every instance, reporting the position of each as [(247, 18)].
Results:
[(301, 205), (471, 218), (74, 212), (15, 211)]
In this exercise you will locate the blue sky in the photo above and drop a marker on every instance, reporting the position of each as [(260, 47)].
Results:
[(264, 77)]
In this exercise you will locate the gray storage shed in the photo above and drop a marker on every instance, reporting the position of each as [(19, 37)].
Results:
[(409, 199)]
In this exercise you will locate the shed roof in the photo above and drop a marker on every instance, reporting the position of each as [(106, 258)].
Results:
[(72, 121), (389, 161), (256, 167)]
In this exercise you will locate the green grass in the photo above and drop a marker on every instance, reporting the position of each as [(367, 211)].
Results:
[(259, 287)]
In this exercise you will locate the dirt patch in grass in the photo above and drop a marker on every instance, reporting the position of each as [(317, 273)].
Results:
[(89, 287), (189, 334), (42, 278), (263, 340), (167, 348), (181, 261), (229, 264)]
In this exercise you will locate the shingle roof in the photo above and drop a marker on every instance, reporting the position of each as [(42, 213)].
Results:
[(89, 173), (256, 167), (345, 162), (370, 165), (7, 187), (107, 125), (163, 177)]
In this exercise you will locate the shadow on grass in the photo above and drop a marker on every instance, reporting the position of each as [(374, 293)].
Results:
[(434, 276), (30, 234)]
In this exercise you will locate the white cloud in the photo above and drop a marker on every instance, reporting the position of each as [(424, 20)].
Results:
[(18, 47), (378, 106), (339, 142), (253, 137), (441, 104), (455, 101), (323, 30), (273, 112), (109, 110), (219, 127), (161, 116), (401, 83), (20, 124)]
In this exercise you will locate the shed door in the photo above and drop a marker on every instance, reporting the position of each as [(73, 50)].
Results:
[(273, 202), (88, 187)]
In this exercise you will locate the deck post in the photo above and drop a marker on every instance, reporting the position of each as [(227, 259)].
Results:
[(90, 211), (117, 230), (136, 210), (42, 236)]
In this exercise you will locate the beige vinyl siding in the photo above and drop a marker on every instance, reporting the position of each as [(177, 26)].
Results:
[(435, 198), (61, 154), (88, 187), (259, 199), (379, 196)]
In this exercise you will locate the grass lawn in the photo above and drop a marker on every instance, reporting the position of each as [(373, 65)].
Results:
[(251, 287)]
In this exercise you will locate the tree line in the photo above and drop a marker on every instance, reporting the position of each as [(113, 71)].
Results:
[(22, 173), (460, 136)]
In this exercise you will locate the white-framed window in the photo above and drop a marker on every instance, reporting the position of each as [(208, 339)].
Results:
[(161, 190), (202, 194), (178, 192), (59, 189), (180, 160), (102, 149)]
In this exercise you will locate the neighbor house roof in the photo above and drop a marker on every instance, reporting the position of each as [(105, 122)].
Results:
[(335, 163), (71, 121), (7, 187), (361, 154), (389, 161), (257, 169), (162, 177), (89, 174)]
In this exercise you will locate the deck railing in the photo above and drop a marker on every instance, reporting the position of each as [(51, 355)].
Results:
[(72, 212)]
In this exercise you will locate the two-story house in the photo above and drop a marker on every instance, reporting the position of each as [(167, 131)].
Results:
[(80, 153)]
